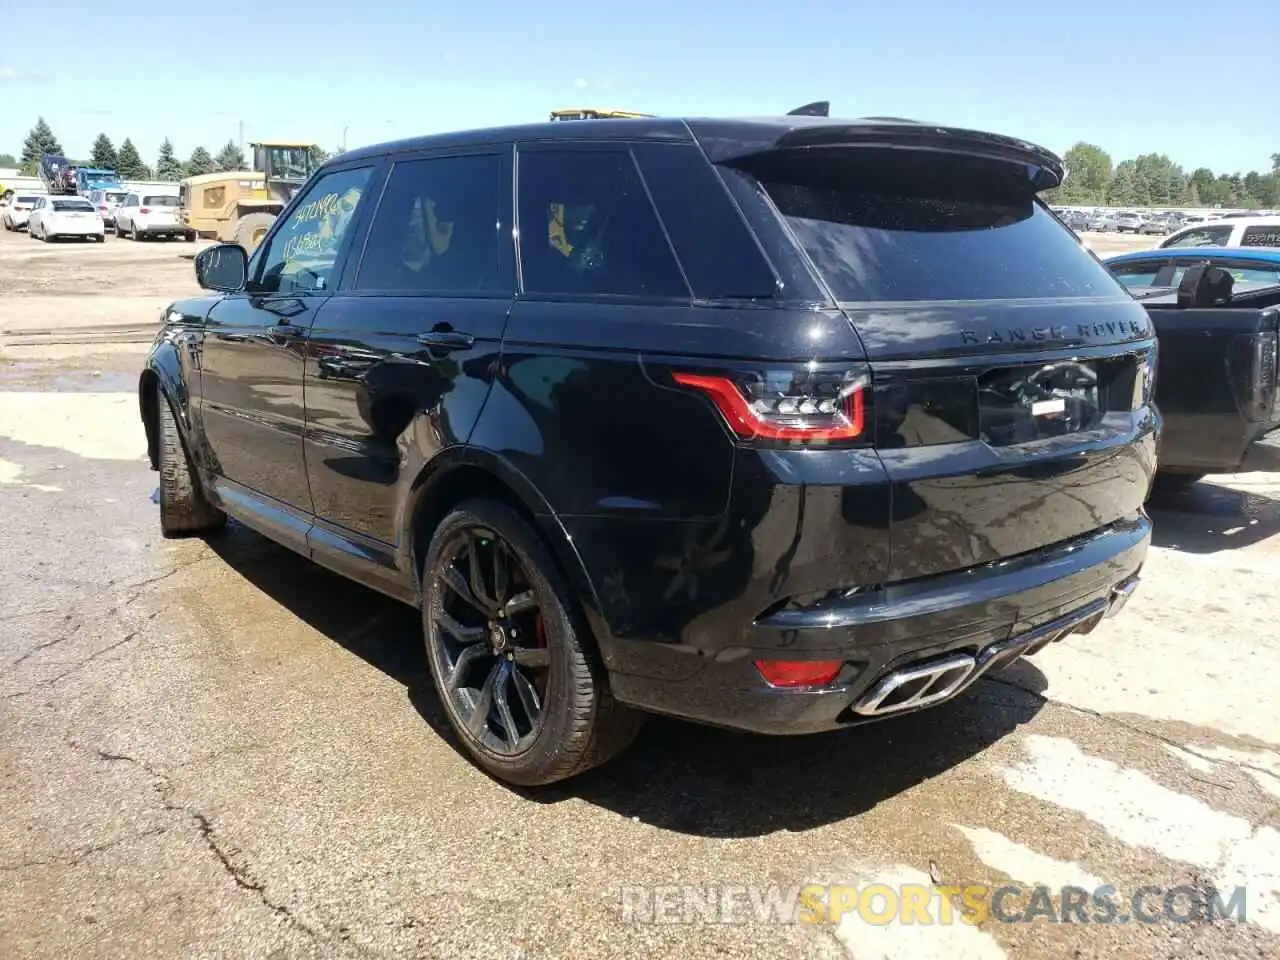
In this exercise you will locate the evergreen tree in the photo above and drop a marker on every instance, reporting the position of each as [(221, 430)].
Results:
[(200, 162), (39, 143), (168, 166), (230, 157), (129, 163), (104, 153)]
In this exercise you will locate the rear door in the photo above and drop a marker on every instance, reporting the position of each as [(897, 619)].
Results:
[(1007, 364), (400, 361)]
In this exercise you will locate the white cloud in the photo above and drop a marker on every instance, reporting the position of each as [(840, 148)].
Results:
[(18, 75), (581, 84)]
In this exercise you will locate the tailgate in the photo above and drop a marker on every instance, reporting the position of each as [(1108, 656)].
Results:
[(1011, 374), (1217, 381)]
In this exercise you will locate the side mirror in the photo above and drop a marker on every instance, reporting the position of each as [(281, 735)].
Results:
[(223, 267)]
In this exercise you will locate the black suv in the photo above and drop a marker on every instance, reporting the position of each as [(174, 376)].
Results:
[(782, 424)]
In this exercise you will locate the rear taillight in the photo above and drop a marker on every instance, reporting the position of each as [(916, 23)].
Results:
[(812, 403), (102, 207), (144, 209), (1144, 382), (1266, 360)]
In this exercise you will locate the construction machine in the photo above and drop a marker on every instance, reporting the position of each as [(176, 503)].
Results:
[(239, 206), (590, 113)]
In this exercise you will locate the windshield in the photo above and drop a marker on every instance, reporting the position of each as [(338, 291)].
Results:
[(115, 197), (167, 200), (930, 230), (287, 163), (26, 199), (72, 206)]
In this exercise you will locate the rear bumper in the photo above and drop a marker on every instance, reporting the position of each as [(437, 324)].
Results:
[(906, 646)]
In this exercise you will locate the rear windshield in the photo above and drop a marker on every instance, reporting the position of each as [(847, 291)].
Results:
[(921, 228), (73, 206), (26, 199), (116, 197), (162, 201)]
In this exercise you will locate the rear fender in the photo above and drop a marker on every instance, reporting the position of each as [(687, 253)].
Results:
[(453, 463)]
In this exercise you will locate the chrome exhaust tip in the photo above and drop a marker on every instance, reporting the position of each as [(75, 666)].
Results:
[(1120, 595), (909, 688)]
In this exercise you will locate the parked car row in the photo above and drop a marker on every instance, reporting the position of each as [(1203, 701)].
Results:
[(1105, 221), (139, 215)]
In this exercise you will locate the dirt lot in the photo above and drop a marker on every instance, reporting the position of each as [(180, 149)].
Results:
[(220, 750)]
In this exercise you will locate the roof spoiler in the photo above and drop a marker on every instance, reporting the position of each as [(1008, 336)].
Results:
[(1044, 168), (819, 108)]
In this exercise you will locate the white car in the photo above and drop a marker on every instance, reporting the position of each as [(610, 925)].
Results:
[(19, 210), (54, 217), (144, 215), (1227, 232)]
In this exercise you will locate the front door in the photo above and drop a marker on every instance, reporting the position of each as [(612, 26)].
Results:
[(399, 362), (251, 385)]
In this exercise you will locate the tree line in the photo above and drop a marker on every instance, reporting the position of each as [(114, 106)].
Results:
[(1154, 180), (126, 160)]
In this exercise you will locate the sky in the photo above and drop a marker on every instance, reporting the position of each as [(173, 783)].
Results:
[(1133, 76)]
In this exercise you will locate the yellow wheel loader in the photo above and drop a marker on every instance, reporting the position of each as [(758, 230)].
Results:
[(239, 206)]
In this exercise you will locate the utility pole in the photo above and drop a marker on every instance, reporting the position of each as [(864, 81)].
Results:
[(345, 128), (242, 137)]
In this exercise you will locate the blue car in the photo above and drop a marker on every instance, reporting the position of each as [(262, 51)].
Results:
[(1164, 268)]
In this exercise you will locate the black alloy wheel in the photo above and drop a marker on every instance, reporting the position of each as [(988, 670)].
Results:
[(490, 641), (516, 670)]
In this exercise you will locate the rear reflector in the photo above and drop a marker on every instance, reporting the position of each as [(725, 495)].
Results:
[(798, 673), (144, 209)]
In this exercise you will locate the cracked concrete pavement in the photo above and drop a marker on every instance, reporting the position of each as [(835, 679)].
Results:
[(220, 750)]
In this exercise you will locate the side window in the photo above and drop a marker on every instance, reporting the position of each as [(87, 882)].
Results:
[(1141, 273), (718, 252), (1267, 235), (438, 228), (1201, 237), (587, 227), (301, 254)]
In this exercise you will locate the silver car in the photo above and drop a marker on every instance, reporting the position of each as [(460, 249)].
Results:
[(106, 201), (1129, 222)]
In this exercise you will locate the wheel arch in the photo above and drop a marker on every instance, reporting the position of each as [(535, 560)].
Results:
[(452, 478), (165, 371)]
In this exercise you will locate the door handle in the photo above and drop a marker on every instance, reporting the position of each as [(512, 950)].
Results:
[(446, 340), (289, 330)]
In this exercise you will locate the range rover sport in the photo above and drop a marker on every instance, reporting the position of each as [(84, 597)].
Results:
[(784, 425)]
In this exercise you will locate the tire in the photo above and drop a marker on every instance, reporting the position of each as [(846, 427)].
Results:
[(100, 237), (579, 724), (249, 226), (184, 509), (190, 237), (133, 232)]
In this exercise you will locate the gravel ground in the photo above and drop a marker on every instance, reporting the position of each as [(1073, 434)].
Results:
[(220, 750)]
